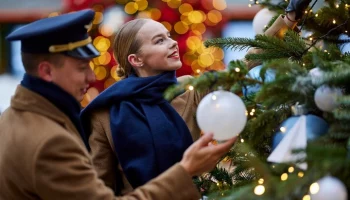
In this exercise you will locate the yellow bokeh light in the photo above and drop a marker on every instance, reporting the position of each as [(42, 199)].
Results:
[(106, 30), (155, 13), (307, 197), (203, 49), (259, 190), (205, 59), (100, 73), (188, 58), (314, 188), (185, 8), (92, 65), (184, 19), (98, 18), (93, 93), (195, 17), (114, 73), (174, 3), (144, 14), (198, 29), (300, 174), (291, 169), (142, 4), (101, 43), (193, 43), (108, 82), (218, 53), (190, 87), (261, 181), (219, 4), (195, 66), (209, 23), (104, 58), (131, 8), (214, 16), (218, 65), (86, 100), (167, 25), (181, 28), (284, 176)]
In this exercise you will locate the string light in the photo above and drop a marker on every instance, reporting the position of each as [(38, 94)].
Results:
[(259, 190), (307, 197), (291, 169), (283, 129), (261, 181), (337, 6), (284, 176), (237, 69), (300, 174), (334, 21), (190, 87), (314, 188), (316, 15), (242, 140)]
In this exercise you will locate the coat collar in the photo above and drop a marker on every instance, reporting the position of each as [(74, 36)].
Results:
[(27, 100)]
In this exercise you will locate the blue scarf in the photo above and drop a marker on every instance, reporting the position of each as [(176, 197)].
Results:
[(57, 96), (148, 134)]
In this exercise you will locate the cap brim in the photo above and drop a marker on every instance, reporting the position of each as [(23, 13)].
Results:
[(85, 52)]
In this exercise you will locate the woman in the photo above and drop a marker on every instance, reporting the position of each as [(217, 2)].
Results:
[(135, 133)]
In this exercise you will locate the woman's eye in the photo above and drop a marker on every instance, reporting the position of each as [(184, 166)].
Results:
[(159, 41)]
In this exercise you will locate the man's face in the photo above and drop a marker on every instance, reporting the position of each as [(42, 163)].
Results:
[(74, 76)]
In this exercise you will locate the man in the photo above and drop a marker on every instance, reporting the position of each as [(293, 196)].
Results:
[(42, 151)]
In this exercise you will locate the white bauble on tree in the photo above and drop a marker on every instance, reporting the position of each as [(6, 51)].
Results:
[(261, 19), (328, 188), (221, 113), (316, 74), (325, 98)]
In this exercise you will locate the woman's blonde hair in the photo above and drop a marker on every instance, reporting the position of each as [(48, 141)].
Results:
[(126, 43)]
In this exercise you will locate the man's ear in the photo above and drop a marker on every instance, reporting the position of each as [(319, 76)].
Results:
[(135, 61), (45, 71)]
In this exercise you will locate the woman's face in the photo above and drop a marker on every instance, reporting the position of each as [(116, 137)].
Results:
[(158, 51)]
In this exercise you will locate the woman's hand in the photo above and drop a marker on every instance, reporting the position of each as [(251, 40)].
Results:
[(202, 156)]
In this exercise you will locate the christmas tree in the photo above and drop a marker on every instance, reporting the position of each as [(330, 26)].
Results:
[(295, 143)]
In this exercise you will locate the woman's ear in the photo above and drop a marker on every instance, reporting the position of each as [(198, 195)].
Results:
[(45, 71), (135, 61)]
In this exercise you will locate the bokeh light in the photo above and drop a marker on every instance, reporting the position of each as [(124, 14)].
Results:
[(155, 14), (220, 4), (100, 72), (131, 8), (98, 18), (181, 28)]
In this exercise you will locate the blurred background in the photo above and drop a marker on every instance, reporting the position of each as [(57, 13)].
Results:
[(190, 22)]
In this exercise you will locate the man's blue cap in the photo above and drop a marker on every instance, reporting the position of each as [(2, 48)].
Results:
[(66, 33)]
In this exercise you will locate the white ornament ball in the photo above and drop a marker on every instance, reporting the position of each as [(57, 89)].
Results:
[(221, 113), (316, 74), (325, 98), (262, 19), (328, 188)]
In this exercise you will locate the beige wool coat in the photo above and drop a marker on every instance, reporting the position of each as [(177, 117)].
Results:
[(43, 157), (101, 143)]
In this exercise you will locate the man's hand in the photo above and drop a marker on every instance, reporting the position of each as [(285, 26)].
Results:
[(202, 157)]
